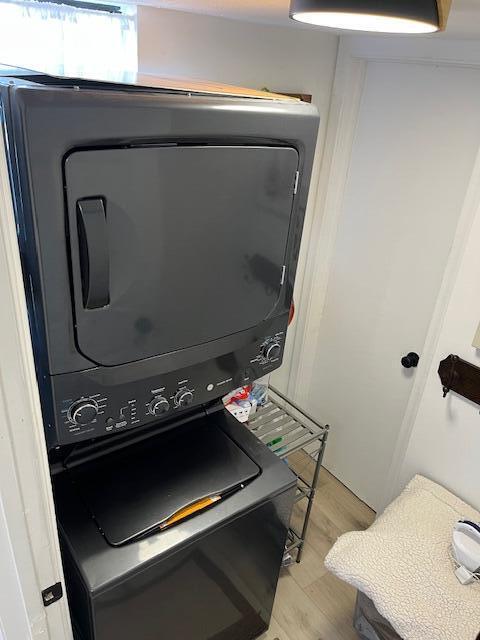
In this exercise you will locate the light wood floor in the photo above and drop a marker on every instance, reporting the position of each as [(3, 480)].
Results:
[(312, 604)]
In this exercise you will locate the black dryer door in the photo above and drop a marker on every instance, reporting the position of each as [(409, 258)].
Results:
[(174, 246)]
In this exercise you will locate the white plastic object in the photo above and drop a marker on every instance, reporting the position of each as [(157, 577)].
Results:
[(253, 407), (466, 547), (239, 412), (464, 576)]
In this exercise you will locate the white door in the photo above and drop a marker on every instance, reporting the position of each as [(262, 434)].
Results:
[(417, 137)]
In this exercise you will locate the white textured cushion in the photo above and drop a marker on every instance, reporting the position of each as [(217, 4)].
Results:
[(402, 562)]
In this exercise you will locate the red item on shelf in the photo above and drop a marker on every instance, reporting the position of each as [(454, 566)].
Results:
[(291, 315), (242, 394)]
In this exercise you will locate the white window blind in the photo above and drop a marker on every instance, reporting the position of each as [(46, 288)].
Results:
[(66, 40)]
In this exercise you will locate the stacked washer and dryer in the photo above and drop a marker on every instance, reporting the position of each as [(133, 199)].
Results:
[(159, 230)]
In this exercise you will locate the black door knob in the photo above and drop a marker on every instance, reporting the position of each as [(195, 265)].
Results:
[(410, 360)]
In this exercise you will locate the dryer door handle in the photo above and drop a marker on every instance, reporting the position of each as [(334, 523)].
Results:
[(94, 255)]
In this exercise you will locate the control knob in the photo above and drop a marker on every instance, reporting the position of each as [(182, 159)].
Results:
[(158, 406), (183, 398), (271, 350), (83, 411)]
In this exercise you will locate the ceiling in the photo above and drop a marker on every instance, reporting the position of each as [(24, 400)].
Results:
[(464, 19)]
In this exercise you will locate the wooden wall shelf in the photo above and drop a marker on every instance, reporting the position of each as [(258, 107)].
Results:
[(460, 376)]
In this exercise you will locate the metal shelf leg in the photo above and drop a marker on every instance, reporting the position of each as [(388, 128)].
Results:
[(311, 497)]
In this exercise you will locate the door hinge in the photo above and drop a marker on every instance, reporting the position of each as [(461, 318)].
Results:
[(295, 187), (52, 594)]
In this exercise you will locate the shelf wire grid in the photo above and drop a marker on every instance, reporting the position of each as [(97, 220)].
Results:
[(281, 431)]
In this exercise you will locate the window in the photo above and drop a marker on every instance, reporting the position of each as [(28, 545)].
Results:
[(63, 39)]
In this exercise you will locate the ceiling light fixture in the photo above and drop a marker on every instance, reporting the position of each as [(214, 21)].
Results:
[(381, 16)]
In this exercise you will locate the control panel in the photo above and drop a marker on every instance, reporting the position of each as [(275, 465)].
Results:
[(89, 405)]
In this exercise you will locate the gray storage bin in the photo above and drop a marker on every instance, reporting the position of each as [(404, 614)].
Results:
[(369, 624)]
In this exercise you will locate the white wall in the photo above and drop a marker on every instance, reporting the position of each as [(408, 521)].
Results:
[(445, 441), (29, 550), (386, 254), (243, 53), (14, 620), (282, 59)]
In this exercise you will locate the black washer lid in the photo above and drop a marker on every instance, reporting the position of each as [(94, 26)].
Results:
[(131, 492)]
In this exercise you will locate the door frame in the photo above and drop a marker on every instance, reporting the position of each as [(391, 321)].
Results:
[(355, 52), (30, 551)]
